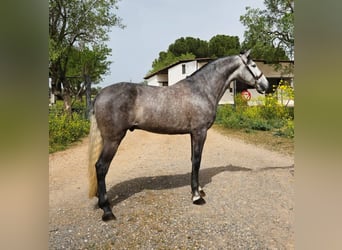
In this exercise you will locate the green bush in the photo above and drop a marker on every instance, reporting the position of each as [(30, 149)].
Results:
[(79, 107), (65, 129), (271, 116), (248, 118), (287, 130)]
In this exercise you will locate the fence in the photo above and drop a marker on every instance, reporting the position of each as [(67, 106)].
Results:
[(57, 110)]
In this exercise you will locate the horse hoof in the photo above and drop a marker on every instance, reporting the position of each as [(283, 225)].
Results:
[(108, 216), (198, 201)]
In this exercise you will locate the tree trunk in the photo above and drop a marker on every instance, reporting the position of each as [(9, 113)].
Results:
[(67, 97), (56, 88), (88, 94)]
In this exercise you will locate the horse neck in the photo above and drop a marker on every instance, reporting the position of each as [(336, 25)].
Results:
[(217, 77)]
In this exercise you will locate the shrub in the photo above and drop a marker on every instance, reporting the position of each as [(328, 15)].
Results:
[(287, 130), (227, 116), (79, 107), (270, 116), (65, 129)]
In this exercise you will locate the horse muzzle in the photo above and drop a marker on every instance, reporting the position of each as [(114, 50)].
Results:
[(260, 90), (261, 85)]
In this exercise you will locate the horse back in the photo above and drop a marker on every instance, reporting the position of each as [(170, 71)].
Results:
[(169, 110)]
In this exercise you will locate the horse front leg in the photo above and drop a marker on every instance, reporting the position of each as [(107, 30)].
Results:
[(197, 143)]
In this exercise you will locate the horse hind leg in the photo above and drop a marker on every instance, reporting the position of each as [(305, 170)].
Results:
[(102, 165)]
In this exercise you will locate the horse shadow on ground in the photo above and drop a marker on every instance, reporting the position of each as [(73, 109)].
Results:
[(126, 189)]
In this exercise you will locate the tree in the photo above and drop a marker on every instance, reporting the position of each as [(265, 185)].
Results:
[(223, 45), (191, 45), (83, 63), (270, 32), (74, 24), (190, 48), (167, 58)]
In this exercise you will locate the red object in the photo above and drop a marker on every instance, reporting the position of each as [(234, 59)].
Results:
[(246, 95)]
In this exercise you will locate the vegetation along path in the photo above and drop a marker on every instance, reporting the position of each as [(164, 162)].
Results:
[(249, 202)]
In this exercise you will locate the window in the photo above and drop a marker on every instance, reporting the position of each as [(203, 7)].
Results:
[(183, 69)]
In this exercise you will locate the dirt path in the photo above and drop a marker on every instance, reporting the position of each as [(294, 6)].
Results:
[(250, 197)]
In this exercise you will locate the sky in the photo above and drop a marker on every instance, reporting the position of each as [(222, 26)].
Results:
[(152, 25)]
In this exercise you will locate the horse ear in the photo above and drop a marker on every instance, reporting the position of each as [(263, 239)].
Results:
[(247, 53)]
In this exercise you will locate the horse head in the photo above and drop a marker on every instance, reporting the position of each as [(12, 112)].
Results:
[(249, 73)]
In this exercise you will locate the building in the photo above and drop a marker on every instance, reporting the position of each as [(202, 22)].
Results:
[(175, 72), (183, 68)]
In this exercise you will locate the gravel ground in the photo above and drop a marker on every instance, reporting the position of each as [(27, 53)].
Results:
[(249, 202)]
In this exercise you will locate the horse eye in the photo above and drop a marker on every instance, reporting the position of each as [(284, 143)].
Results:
[(253, 65)]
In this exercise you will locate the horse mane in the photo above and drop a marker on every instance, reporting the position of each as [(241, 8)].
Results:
[(208, 65), (204, 67)]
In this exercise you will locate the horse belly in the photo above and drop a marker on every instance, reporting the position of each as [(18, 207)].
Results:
[(162, 121), (169, 111)]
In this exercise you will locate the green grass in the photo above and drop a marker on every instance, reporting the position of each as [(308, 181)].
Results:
[(265, 139)]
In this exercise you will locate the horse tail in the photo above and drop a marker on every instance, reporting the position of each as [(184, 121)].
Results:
[(95, 148)]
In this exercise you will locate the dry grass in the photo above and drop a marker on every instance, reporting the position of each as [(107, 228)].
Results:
[(266, 139)]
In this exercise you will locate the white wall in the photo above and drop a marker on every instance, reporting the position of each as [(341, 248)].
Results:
[(157, 80), (153, 81), (175, 73), (227, 98)]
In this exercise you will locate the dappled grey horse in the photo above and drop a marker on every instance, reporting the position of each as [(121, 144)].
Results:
[(187, 107)]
